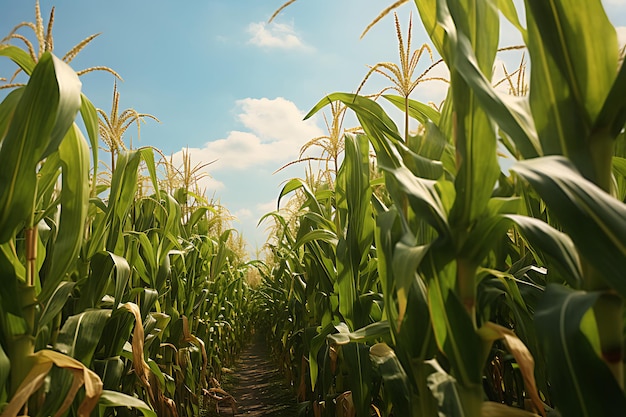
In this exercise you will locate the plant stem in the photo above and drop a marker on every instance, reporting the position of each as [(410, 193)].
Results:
[(466, 271)]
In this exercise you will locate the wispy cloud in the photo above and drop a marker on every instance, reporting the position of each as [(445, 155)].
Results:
[(274, 133), (274, 35)]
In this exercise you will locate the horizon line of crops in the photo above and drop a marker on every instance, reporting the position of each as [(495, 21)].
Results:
[(124, 291), (425, 280)]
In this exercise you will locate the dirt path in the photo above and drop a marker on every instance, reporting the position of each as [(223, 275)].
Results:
[(258, 387)]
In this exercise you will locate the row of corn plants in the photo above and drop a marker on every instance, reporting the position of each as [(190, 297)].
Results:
[(427, 280), (116, 299)]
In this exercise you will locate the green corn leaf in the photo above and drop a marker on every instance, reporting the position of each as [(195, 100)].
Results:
[(422, 196), (81, 333), (13, 274), (105, 266), (573, 363), (317, 235), (513, 114), (428, 13), (592, 218), (5, 370), (379, 127), (573, 71), (453, 328), (405, 264), (119, 399), (316, 344), (354, 216), (172, 210), (557, 247), (444, 387), (7, 107), (293, 185), (74, 157), (508, 10), (52, 98), (419, 111), (612, 117), (110, 371), (90, 119), (121, 199), (56, 302), (394, 378), (19, 56), (474, 135), (147, 154), (584, 50), (433, 145), (357, 358), (371, 332)]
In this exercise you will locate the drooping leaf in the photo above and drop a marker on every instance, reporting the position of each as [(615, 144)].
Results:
[(556, 246), (573, 364), (491, 332), (379, 127), (19, 56), (374, 331), (419, 111), (584, 211), (42, 364)]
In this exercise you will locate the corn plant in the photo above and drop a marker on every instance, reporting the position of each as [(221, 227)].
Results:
[(110, 292), (456, 230)]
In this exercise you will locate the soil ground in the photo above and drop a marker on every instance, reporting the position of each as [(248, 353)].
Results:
[(258, 386)]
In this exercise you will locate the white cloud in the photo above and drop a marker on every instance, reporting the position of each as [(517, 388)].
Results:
[(267, 207), (614, 2), (621, 35), (210, 183), (274, 134), (243, 214), (274, 35), (434, 90)]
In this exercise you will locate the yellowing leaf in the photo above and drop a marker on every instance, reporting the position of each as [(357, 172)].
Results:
[(490, 332), (43, 361)]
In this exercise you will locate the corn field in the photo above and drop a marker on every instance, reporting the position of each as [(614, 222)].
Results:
[(413, 275)]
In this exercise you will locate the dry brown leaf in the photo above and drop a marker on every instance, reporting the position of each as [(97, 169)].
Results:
[(491, 331), (318, 408), (333, 354), (344, 405), (43, 361), (190, 338), (141, 367)]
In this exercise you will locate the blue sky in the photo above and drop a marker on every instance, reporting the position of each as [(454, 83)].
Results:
[(225, 83)]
